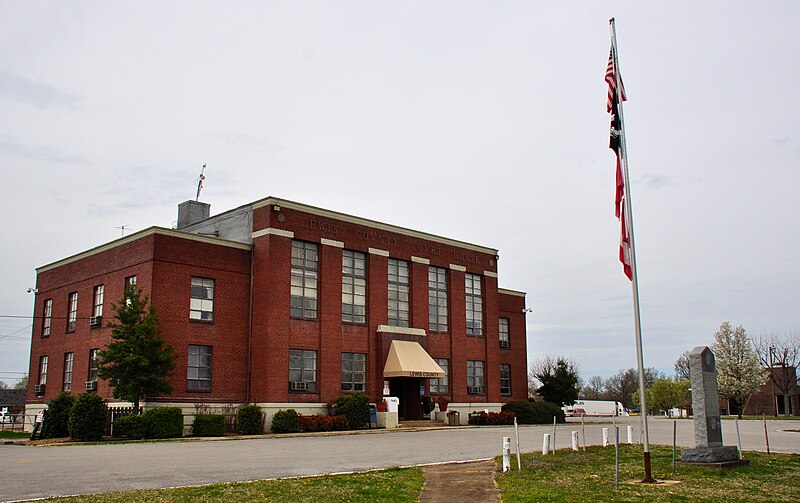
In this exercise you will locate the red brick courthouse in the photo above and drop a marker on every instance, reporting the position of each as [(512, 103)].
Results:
[(287, 305)]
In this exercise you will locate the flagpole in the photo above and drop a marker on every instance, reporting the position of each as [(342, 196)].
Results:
[(634, 275)]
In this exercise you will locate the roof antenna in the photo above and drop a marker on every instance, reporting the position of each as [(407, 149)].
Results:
[(200, 182), (122, 228)]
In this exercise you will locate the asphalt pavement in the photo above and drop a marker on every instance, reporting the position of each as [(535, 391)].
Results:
[(28, 472)]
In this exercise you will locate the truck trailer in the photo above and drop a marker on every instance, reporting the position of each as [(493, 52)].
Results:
[(595, 408)]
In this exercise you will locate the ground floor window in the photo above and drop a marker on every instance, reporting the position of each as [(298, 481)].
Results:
[(302, 370), (353, 371), (67, 385), (198, 371), (505, 379), (475, 374), (441, 385)]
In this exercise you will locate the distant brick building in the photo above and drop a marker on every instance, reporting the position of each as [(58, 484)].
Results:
[(288, 305)]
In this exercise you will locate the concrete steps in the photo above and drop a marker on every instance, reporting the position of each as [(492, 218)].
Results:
[(424, 423)]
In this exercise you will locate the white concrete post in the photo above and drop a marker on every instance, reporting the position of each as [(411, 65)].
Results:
[(574, 440), (546, 444), (506, 454), (630, 435), (605, 437)]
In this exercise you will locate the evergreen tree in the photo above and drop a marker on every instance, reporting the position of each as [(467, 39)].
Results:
[(739, 373), (136, 362), (560, 383)]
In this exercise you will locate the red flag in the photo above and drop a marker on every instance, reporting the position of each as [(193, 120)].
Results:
[(615, 96)]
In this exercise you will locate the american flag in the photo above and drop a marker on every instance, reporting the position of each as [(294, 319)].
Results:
[(615, 96)]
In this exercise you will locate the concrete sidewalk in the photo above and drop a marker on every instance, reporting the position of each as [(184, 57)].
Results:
[(461, 482)]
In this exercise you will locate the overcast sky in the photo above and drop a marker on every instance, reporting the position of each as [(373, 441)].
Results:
[(480, 121)]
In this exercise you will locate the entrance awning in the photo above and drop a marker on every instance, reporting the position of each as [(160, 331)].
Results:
[(409, 359)]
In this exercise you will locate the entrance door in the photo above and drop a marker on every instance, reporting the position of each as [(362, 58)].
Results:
[(407, 390)]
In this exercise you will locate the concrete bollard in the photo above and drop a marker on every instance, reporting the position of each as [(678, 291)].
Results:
[(630, 435), (506, 454), (574, 440), (605, 437), (546, 444)]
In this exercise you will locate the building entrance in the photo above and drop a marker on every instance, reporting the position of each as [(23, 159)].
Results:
[(407, 390)]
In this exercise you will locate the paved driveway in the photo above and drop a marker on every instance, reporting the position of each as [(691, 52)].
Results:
[(35, 472)]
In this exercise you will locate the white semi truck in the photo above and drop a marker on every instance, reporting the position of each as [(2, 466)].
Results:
[(595, 408)]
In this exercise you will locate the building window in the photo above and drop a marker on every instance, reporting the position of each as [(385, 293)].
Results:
[(354, 287), (437, 299), (129, 281), (97, 309), (43, 369), (72, 312), (505, 379), (441, 385), (353, 371), (505, 342), (472, 284), (47, 317), (201, 305), (305, 259), (198, 371), (302, 370), (398, 293), (67, 385), (475, 377), (93, 358)]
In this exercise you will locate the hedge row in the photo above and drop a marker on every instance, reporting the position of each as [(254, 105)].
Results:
[(492, 418), (323, 423), (163, 422), (528, 412)]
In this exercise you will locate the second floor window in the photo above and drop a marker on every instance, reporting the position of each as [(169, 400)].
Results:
[(72, 312), (201, 304), (305, 260), (472, 285), (47, 317), (505, 342), (97, 308), (437, 299), (354, 287), (398, 293)]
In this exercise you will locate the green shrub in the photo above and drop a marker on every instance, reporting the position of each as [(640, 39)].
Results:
[(286, 421), (87, 418), (355, 408), (208, 425), (249, 420), (534, 412), (132, 426), (56, 418), (323, 423), (163, 422)]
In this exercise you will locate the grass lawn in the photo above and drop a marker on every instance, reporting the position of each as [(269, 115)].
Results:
[(392, 485), (589, 476), (13, 434)]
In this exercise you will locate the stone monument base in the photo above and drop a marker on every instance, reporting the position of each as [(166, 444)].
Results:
[(710, 454)]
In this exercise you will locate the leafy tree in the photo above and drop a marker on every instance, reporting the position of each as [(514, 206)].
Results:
[(22, 383), (560, 380), (739, 373), (56, 424), (136, 362)]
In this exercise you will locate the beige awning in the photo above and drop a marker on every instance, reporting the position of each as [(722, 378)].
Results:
[(409, 359)]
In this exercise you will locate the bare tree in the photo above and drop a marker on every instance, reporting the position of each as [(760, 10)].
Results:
[(682, 366), (594, 389), (549, 365), (780, 353)]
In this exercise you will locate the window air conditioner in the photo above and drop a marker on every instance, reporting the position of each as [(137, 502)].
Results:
[(504, 344), (90, 386), (95, 321), (298, 386), (39, 389), (474, 390)]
